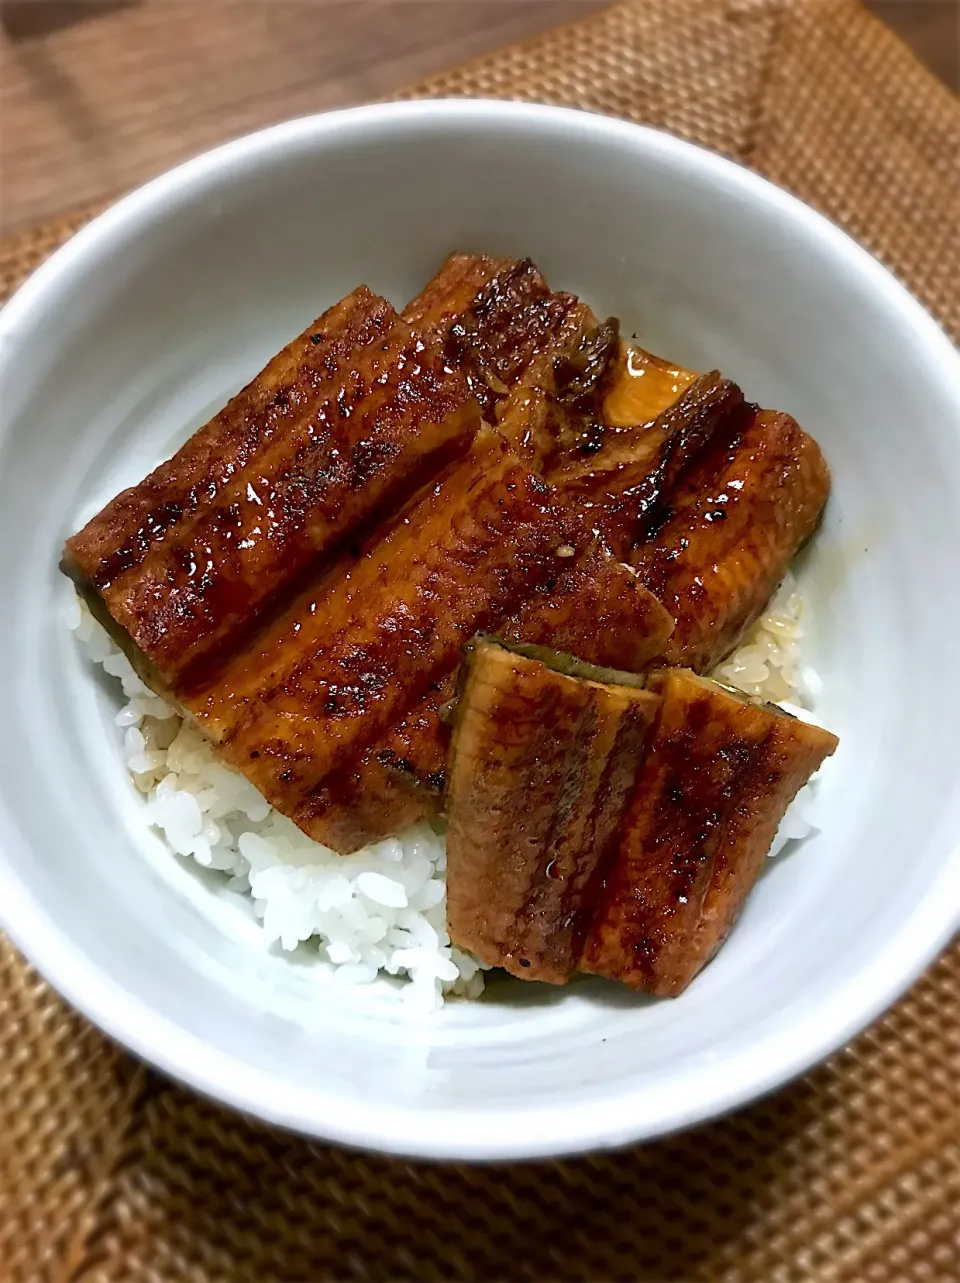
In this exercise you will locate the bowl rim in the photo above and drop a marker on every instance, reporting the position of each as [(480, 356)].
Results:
[(484, 1134)]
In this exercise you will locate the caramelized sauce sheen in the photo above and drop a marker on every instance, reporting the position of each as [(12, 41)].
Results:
[(641, 386), (347, 418)]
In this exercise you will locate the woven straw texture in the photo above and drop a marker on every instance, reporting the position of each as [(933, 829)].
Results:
[(109, 1173)]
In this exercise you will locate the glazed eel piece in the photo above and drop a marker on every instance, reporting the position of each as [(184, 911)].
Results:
[(624, 486), (593, 607), (718, 776), (729, 531), (323, 679), (545, 751), (536, 359), (596, 827), (349, 419)]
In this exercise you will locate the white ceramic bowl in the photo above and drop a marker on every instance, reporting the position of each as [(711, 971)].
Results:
[(141, 326)]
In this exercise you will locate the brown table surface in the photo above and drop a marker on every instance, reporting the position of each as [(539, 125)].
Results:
[(99, 95)]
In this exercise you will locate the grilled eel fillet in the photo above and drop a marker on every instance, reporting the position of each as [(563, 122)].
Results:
[(593, 607), (354, 414), (576, 841), (502, 325), (626, 484), (718, 776), (343, 661), (542, 764), (729, 532)]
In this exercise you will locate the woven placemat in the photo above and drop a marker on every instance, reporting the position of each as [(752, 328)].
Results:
[(108, 1172)]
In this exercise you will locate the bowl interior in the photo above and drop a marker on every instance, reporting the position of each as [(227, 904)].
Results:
[(143, 327)]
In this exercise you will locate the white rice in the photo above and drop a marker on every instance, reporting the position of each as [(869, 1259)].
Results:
[(381, 911)]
